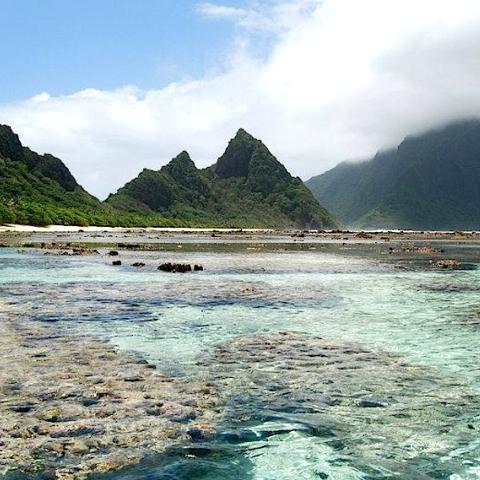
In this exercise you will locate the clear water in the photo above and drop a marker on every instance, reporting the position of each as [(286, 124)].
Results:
[(288, 412)]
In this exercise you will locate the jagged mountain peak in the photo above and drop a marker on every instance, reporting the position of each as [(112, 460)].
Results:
[(182, 157), (39, 189), (181, 168), (247, 186), (181, 162), (10, 145), (236, 159), (46, 165), (242, 133)]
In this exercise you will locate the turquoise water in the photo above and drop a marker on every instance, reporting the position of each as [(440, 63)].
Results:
[(391, 390)]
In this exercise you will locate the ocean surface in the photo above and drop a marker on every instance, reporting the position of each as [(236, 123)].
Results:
[(329, 366)]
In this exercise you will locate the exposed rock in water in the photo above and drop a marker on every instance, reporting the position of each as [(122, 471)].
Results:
[(444, 264), (85, 408), (175, 267), (410, 248), (247, 290), (85, 251), (58, 253), (116, 263), (64, 249), (363, 235), (138, 264), (179, 267)]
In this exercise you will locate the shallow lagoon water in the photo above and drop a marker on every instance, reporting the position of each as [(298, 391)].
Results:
[(419, 327)]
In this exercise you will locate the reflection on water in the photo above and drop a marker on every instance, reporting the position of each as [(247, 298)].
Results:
[(400, 402)]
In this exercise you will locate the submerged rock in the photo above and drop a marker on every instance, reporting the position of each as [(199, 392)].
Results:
[(410, 248), (84, 409), (138, 264), (371, 405), (85, 251), (247, 290), (75, 430), (363, 235), (130, 246), (21, 408)]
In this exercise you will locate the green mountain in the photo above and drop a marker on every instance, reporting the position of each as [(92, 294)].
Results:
[(247, 186), (431, 181), (39, 189)]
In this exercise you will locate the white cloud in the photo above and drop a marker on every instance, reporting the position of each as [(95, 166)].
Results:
[(272, 16), (222, 11), (343, 79)]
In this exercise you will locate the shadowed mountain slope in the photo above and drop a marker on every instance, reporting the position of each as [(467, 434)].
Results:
[(431, 181)]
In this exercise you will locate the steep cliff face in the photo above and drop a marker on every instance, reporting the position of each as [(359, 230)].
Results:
[(235, 162), (431, 181), (46, 165)]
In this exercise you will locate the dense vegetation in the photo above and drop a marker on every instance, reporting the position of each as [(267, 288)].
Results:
[(247, 186), (431, 181), (39, 190)]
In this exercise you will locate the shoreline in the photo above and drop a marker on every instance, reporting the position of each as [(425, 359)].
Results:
[(18, 228)]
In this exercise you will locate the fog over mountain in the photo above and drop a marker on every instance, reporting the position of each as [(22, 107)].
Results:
[(430, 181), (318, 81)]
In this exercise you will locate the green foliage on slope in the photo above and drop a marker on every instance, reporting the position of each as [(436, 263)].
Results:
[(247, 187), (431, 181), (40, 190)]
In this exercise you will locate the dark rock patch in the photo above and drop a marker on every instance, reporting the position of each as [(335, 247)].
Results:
[(179, 267)]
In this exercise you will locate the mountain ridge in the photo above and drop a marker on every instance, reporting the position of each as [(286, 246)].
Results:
[(246, 186), (430, 181), (40, 189)]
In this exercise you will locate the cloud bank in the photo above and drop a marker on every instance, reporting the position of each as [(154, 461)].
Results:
[(341, 80)]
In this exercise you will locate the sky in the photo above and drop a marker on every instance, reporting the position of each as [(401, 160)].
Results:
[(114, 86)]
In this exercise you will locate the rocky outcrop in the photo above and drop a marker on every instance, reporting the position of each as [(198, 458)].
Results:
[(446, 264), (179, 267)]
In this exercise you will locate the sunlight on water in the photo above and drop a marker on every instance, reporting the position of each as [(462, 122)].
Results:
[(429, 320), (279, 462)]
